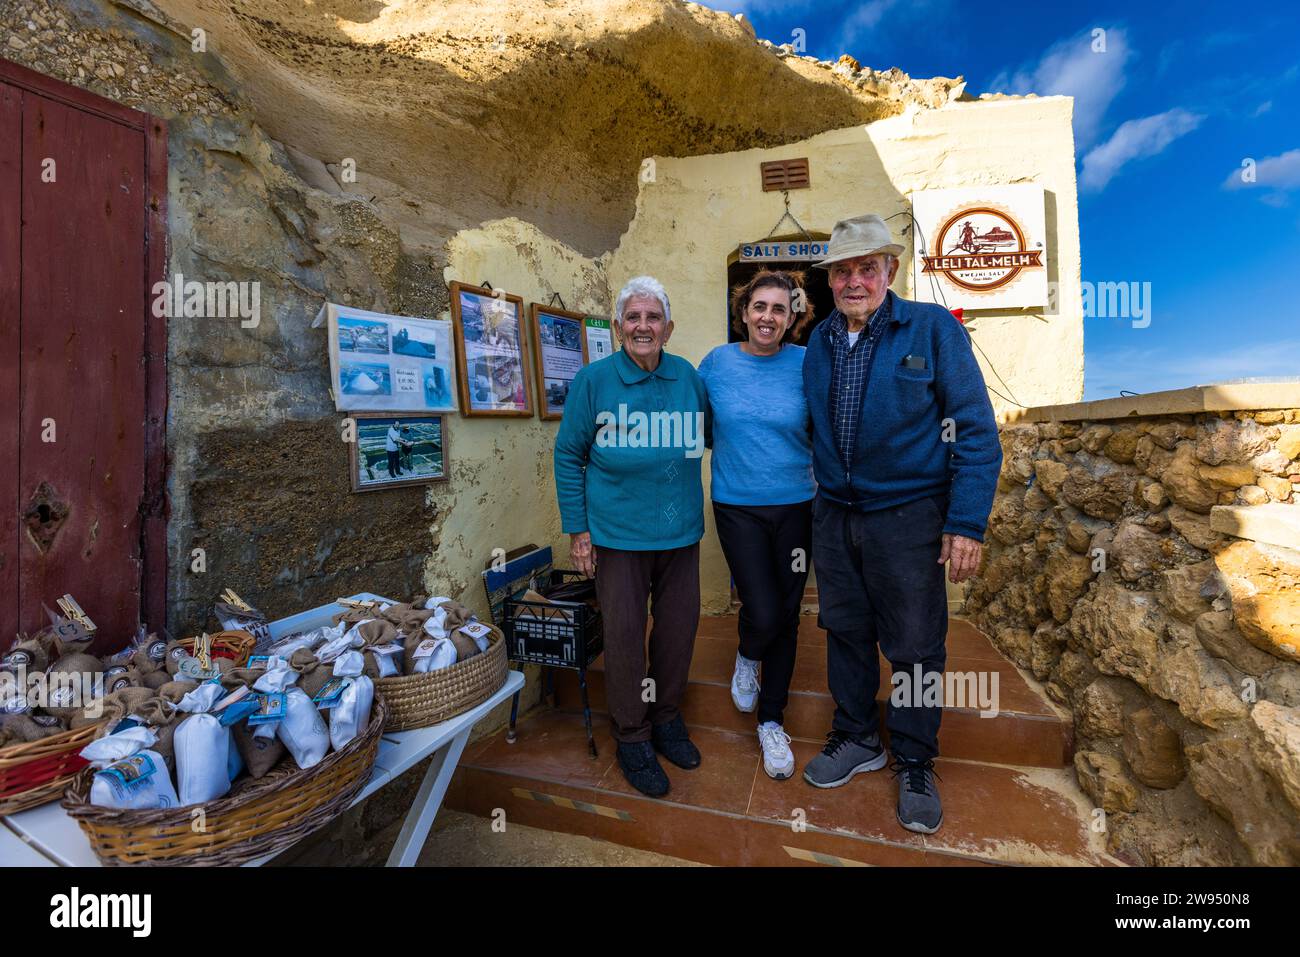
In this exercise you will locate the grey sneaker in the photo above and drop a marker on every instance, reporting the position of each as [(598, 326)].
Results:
[(919, 808), (842, 758)]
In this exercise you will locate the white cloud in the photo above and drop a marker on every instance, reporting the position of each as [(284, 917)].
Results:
[(1272, 172), (862, 21), (1262, 108), (1135, 139), (1072, 67)]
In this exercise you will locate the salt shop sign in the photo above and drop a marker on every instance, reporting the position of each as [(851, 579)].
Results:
[(785, 251)]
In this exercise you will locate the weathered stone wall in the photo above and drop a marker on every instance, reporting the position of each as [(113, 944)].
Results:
[(1175, 647)]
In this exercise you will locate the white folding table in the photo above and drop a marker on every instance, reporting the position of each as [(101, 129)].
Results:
[(46, 836)]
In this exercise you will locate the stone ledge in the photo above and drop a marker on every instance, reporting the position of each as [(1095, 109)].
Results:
[(1228, 397), (1273, 524)]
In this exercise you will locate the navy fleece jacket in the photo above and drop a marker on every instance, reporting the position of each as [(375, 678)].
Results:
[(906, 449)]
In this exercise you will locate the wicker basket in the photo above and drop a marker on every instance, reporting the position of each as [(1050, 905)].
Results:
[(235, 645), (417, 701), (37, 772), (257, 819)]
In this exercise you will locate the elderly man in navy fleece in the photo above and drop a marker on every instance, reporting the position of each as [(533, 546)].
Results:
[(906, 457)]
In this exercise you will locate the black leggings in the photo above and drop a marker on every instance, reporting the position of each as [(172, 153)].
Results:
[(769, 549)]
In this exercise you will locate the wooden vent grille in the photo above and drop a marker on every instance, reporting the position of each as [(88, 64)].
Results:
[(786, 174)]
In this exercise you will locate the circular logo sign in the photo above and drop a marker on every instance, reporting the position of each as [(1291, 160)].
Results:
[(980, 248)]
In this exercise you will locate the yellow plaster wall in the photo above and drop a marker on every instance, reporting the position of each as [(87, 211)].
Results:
[(692, 213)]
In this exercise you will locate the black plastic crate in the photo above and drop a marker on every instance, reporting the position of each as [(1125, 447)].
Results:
[(572, 641)]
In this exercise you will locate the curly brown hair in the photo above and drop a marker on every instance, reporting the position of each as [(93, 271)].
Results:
[(778, 279)]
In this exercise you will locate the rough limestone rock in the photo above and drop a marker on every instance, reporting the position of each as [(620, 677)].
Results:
[(1189, 677), (1187, 590), (1009, 522), (1036, 499), (1103, 704), (1136, 551), (1183, 481), (1078, 537), (1277, 747), (1264, 581), (1102, 497), (462, 99), (1019, 443), (1045, 648), (1104, 779), (1167, 435), (1094, 437), (1228, 440), (1278, 488), (1226, 478), (1195, 528), (1153, 749), (1150, 494), (1219, 636), (1224, 772), (1121, 628), (1121, 446), (1051, 476), (1067, 574), (1289, 441)]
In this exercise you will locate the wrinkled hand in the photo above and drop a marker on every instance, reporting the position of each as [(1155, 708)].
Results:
[(581, 554), (963, 556)]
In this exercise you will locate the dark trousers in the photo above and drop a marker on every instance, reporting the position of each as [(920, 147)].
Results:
[(880, 585), (768, 548), (394, 464), (670, 579)]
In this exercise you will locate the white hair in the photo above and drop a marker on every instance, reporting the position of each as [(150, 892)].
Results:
[(642, 286)]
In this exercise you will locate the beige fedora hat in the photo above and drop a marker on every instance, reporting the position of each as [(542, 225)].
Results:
[(860, 236)]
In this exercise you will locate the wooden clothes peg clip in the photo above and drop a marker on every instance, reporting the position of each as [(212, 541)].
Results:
[(366, 605), (73, 612), (230, 598)]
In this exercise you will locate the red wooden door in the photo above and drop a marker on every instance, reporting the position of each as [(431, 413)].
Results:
[(85, 417), (10, 285)]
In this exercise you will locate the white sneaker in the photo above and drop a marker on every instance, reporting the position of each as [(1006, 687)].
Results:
[(744, 684), (778, 759)]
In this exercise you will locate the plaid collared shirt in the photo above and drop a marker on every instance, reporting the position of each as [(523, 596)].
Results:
[(849, 366)]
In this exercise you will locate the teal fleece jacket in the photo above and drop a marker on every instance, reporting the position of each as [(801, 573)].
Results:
[(627, 455)]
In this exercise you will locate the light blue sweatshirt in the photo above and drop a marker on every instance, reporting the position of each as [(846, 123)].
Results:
[(762, 446)]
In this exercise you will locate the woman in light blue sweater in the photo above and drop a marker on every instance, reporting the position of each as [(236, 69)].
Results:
[(762, 492)]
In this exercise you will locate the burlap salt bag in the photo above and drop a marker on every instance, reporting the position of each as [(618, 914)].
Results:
[(72, 682)]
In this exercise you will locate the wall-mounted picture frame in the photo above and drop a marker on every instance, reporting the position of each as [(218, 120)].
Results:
[(559, 351), (396, 450), (488, 328), (384, 363)]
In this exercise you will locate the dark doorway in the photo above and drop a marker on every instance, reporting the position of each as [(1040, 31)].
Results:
[(819, 291), (82, 241)]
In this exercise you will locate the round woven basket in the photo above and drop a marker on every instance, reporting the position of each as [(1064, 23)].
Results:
[(257, 819), (235, 645), (417, 701), (36, 772)]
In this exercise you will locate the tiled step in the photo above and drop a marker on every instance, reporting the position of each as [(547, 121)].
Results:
[(729, 812), (1026, 731)]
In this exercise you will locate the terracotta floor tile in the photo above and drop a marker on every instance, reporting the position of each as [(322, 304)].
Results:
[(551, 745)]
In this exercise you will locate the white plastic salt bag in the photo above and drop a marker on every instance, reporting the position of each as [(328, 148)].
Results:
[(301, 729), (130, 776), (433, 654), (352, 712), (285, 647), (203, 747)]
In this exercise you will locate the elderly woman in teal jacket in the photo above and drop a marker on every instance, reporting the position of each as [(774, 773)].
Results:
[(627, 474)]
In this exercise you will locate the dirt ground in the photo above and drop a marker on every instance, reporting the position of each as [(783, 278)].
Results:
[(463, 840)]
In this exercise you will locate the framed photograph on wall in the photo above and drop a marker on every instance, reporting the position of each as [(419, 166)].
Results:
[(396, 450), (383, 363), (488, 330), (559, 351)]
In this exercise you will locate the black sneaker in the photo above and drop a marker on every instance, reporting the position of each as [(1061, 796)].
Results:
[(672, 741), (641, 768), (919, 807), (843, 757)]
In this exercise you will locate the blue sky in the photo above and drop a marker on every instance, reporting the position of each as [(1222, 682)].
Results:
[(1165, 117)]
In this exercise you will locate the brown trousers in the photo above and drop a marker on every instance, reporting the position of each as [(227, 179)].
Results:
[(670, 579)]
